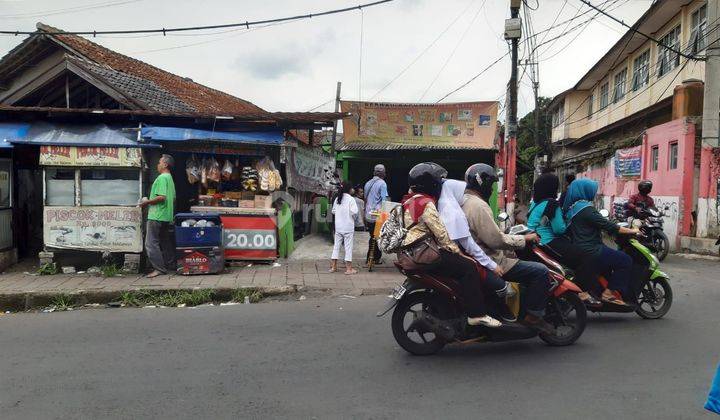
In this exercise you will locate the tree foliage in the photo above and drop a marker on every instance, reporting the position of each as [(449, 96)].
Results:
[(527, 150)]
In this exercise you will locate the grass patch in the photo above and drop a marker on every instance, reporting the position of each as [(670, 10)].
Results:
[(110, 270), (238, 295), (48, 269), (62, 302), (167, 298)]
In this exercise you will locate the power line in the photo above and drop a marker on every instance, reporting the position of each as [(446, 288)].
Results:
[(246, 24), (632, 28), (565, 33), (452, 54), (74, 9), (447, 28)]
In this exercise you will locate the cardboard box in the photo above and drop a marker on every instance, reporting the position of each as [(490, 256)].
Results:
[(263, 201), (233, 195), (247, 195), (246, 204)]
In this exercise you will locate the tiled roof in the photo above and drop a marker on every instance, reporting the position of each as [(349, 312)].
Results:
[(169, 93), (143, 91)]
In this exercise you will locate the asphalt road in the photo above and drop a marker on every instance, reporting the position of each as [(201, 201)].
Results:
[(331, 358)]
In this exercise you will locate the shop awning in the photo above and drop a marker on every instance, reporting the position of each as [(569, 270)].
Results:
[(45, 134), (12, 131), (156, 133)]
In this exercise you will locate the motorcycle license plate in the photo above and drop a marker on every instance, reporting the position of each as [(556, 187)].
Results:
[(398, 292)]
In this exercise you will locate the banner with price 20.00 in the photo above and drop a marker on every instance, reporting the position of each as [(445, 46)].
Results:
[(249, 237)]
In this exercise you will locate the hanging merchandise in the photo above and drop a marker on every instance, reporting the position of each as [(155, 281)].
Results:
[(249, 179), (269, 177), (237, 174), (214, 170), (204, 172), (192, 169), (227, 170)]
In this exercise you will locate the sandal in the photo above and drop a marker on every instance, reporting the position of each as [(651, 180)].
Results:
[(613, 300), (589, 299), (351, 272), (332, 270)]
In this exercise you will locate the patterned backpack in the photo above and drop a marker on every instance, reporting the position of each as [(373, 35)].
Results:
[(392, 232)]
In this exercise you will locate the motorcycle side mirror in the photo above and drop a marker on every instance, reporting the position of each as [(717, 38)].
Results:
[(604, 213), (503, 216)]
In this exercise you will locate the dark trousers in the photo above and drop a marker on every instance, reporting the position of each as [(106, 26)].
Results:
[(372, 244), (616, 266), (536, 279), (471, 281), (160, 246), (570, 256)]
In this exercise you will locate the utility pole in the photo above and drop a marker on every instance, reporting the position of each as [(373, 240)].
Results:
[(335, 124), (513, 32), (707, 215)]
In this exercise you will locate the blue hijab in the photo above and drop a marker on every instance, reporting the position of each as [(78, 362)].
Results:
[(580, 195)]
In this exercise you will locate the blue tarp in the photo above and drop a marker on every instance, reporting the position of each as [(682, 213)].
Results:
[(154, 133), (12, 131), (43, 134)]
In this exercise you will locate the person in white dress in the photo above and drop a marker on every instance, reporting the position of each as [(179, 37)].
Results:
[(344, 208)]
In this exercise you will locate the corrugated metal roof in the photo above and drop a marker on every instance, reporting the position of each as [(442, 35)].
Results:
[(358, 146)]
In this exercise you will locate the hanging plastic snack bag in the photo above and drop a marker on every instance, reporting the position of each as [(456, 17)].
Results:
[(204, 172), (227, 170), (214, 170), (192, 169)]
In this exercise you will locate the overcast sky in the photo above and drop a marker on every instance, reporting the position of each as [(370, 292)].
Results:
[(295, 66)]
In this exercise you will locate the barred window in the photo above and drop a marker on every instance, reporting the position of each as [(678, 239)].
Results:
[(641, 73), (620, 85)]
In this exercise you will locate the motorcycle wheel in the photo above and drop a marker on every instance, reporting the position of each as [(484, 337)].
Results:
[(661, 243), (412, 340), (567, 313), (654, 299)]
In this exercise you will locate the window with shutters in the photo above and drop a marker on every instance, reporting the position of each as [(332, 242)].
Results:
[(668, 59), (641, 71)]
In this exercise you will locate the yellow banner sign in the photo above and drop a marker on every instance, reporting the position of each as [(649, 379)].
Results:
[(467, 124), (90, 156)]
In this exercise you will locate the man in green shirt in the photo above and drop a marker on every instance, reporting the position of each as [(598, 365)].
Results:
[(159, 240)]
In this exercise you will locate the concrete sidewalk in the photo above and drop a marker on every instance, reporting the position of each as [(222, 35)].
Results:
[(283, 273)]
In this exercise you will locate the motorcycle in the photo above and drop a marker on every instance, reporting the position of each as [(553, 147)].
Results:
[(650, 294), (428, 314), (650, 222)]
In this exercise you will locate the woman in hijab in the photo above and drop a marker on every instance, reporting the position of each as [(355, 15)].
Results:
[(545, 217), (421, 213), (455, 221), (585, 226)]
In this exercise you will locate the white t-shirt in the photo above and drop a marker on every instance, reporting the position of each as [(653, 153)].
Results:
[(345, 214)]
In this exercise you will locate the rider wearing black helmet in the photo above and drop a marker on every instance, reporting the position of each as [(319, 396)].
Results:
[(480, 179), (642, 200), (420, 212)]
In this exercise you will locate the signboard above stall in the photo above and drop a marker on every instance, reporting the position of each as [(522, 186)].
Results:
[(90, 156), (462, 125)]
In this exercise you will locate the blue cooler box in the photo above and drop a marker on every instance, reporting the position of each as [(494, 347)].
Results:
[(198, 237)]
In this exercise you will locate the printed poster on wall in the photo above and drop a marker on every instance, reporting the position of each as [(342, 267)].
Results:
[(113, 229), (90, 156), (628, 162), (468, 124), (310, 169)]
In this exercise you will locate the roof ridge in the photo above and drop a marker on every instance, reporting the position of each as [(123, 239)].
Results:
[(45, 28)]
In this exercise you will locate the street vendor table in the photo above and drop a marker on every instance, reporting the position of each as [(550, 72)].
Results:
[(248, 233)]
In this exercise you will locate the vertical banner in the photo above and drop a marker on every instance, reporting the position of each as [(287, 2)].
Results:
[(467, 124), (628, 162), (310, 169)]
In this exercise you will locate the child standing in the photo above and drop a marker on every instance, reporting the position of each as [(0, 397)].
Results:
[(344, 208)]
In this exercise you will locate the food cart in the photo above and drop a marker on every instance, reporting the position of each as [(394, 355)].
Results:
[(233, 174)]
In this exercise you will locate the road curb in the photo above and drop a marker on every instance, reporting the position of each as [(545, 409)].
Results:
[(27, 301)]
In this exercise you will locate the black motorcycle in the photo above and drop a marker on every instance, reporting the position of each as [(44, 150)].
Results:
[(650, 222)]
